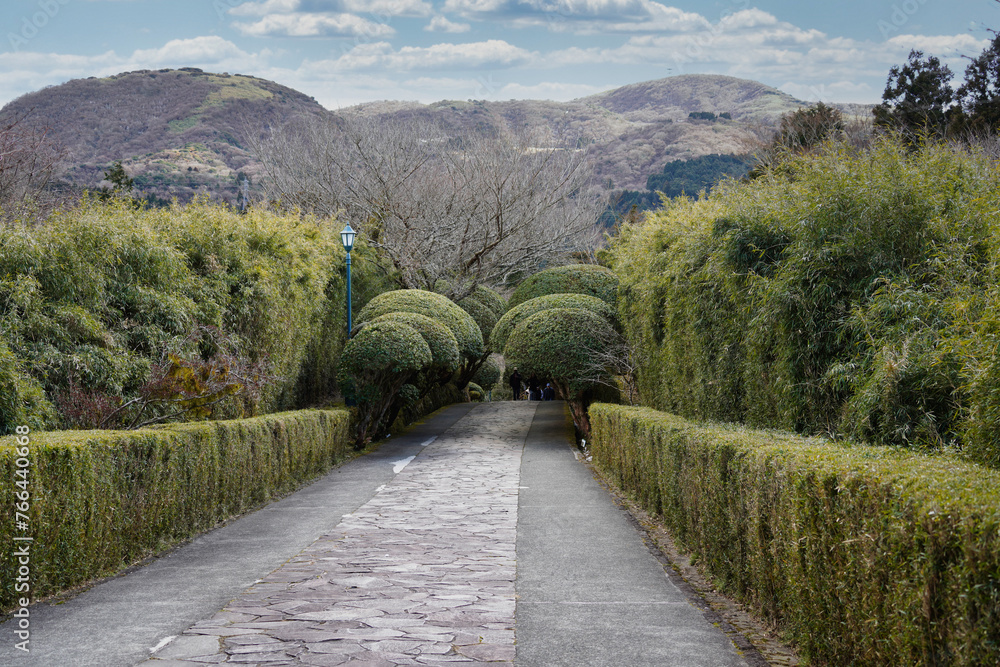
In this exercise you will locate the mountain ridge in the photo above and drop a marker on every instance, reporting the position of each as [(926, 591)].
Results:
[(180, 132)]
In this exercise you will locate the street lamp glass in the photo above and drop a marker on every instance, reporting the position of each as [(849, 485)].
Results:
[(347, 237)]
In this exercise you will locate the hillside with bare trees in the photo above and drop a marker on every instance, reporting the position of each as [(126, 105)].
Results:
[(183, 132)]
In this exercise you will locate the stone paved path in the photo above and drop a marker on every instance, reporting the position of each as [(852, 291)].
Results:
[(423, 574)]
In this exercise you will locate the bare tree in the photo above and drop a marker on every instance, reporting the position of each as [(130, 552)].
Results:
[(28, 159), (469, 209)]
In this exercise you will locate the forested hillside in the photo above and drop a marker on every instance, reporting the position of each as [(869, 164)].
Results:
[(181, 132)]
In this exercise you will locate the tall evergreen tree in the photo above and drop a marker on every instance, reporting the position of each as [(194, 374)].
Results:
[(918, 99), (980, 94)]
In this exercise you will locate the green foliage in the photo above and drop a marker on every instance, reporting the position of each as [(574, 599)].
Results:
[(574, 278), (862, 555), (488, 374), (509, 322), (485, 306), (558, 343), (563, 346), (439, 339), (22, 400), (701, 173), (476, 392), (99, 294), (102, 500), (917, 98), (847, 294), (375, 364), (435, 306), (382, 356)]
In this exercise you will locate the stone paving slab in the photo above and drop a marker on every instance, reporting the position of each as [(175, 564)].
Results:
[(422, 574)]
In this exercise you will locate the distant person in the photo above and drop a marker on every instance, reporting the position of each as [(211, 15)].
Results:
[(548, 394), (534, 390), (515, 384)]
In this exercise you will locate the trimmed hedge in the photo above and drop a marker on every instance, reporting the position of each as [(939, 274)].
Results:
[(485, 306), (513, 317), (865, 555), (439, 339), (589, 279), (101, 500), (435, 306)]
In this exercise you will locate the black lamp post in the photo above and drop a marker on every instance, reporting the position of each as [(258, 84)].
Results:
[(347, 238)]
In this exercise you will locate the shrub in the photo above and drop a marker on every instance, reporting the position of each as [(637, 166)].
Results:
[(588, 279), (863, 555), (488, 374), (435, 306), (439, 338), (22, 401), (375, 365), (102, 500), (846, 292), (561, 345), (486, 307), (97, 295), (522, 311), (476, 392)]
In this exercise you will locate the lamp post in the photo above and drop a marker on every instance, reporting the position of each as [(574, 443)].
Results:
[(347, 238)]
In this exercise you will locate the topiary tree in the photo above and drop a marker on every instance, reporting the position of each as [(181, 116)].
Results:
[(488, 374), (521, 312), (564, 345), (435, 306), (476, 392), (589, 279), (445, 358), (486, 307), (375, 365)]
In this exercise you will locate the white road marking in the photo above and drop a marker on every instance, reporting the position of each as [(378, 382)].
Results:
[(398, 466)]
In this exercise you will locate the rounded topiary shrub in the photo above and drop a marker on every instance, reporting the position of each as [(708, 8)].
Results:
[(488, 374), (563, 346), (439, 338), (476, 392), (486, 307), (573, 279), (519, 313), (435, 306), (382, 356)]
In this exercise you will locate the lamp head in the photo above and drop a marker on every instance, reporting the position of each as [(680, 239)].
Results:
[(347, 237)]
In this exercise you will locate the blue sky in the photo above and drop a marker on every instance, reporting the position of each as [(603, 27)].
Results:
[(343, 52)]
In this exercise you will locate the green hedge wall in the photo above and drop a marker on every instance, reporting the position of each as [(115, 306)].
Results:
[(100, 500), (865, 555)]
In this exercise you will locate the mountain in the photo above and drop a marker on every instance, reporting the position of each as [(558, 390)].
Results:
[(632, 131), (180, 132), (177, 132)]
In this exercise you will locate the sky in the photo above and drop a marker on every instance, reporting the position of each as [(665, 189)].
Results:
[(344, 52)]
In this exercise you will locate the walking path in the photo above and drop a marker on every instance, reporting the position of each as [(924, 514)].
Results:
[(475, 518)]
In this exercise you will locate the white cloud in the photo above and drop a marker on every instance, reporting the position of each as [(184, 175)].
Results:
[(581, 16), (940, 45), (265, 8), (441, 24), (549, 90), (473, 55), (315, 25), (385, 8), (208, 49)]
